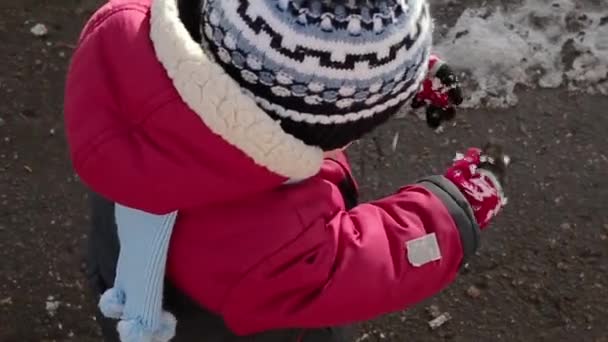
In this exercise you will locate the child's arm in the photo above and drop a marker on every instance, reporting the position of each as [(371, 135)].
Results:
[(379, 257)]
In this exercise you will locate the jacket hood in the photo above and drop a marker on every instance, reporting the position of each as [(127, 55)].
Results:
[(152, 123), (219, 102)]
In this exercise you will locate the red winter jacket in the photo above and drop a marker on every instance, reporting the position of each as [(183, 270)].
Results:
[(151, 124)]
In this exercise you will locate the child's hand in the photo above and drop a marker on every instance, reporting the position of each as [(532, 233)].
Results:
[(440, 92), (478, 175)]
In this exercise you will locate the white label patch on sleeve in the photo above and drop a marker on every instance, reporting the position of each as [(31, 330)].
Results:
[(423, 250)]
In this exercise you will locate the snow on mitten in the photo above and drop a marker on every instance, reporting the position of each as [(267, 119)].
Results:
[(136, 298), (477, 175), (439, 93)]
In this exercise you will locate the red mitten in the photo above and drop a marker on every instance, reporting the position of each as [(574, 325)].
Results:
[(480, 186), (439, 93)]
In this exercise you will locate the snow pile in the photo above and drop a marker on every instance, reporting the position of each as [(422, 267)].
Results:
[(546, 43)]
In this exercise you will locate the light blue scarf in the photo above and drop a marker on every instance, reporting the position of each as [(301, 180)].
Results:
[(136, 298)]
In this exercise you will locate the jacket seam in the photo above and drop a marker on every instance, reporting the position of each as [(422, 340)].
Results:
[(255, 266), (84, 155), (263, 261), (351, 184), (97, 22), (347, 171)]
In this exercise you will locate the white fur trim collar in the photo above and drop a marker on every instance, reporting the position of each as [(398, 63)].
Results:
[(218, 101)]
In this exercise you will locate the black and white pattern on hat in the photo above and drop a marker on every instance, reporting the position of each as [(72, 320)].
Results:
[(320, 62)]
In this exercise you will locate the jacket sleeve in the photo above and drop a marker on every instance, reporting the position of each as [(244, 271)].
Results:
[(350, 266)]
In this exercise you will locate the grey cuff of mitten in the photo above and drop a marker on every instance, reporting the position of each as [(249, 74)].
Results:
[(459, 208)]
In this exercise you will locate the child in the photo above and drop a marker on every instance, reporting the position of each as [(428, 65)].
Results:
[(213, 131)]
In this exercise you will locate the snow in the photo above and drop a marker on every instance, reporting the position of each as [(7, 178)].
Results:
[(542, 43), (39, 30), (52, 305)]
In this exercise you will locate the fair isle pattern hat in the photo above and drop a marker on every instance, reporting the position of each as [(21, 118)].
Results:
[(328, 70)]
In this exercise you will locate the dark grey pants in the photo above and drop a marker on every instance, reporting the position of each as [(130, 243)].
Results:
[(194, 322)]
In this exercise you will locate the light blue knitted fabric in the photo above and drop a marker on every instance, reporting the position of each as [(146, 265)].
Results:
[(136, 298)]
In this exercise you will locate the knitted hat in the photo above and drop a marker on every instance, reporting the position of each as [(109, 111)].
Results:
[(328, 70)]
